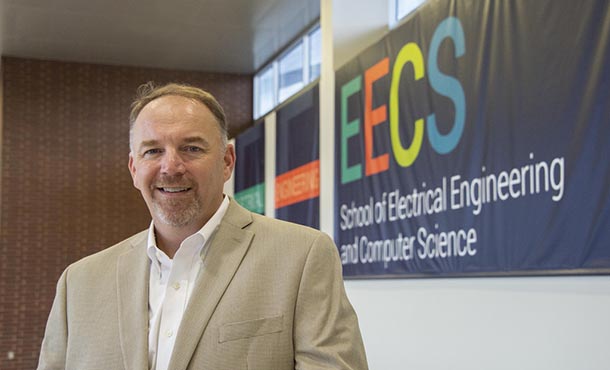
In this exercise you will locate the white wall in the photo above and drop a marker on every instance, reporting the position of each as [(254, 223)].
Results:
[(558, 323), (485, 323)]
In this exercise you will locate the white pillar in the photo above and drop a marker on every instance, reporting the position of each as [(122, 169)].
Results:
[(327, 120), (270, 147), (229, 186)]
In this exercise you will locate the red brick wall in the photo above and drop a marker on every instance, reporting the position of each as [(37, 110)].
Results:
[(65, 188)]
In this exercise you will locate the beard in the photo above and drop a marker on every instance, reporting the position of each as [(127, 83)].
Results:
[(177, 212)]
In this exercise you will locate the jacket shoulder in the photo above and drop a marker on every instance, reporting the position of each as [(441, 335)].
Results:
[(240, 217), (281, 225), (101, 259)]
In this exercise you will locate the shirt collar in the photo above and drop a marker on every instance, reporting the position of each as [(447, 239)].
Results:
[(205, 233)]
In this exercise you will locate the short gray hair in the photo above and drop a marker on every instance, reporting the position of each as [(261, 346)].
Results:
[(149, 92)]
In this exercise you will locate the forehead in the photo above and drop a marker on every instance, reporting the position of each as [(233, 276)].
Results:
[(177, 111)]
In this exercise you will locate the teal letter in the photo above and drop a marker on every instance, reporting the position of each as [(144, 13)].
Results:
[(447, 86), (349, 129)]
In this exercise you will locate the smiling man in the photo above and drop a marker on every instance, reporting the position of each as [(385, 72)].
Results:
[(209, 285)]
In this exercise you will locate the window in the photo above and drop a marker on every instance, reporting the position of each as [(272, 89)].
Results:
[(266, 89), (405, 7), (291, 71), (315, 53), (286, 75)]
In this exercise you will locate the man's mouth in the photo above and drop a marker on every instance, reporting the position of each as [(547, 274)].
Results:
[(173, 189)]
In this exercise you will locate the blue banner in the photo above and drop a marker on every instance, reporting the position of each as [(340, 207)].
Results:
[(297, 184), (250, 168), (475, 140)]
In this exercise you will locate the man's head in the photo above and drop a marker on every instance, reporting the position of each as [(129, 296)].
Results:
[(149, 92), (179, 158)]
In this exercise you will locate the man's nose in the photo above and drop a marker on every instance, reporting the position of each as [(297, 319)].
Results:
[(172, 163)]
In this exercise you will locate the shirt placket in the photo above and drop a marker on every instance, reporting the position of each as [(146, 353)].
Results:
[(172, 312)]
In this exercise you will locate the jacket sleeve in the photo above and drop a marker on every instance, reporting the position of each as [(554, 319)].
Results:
[(53, 350), (326, 332)]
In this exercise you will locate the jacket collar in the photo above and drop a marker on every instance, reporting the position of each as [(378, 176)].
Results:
[(227, 250), (133, 271)]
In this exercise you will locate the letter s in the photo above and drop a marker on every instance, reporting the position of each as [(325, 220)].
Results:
[(447, 86)]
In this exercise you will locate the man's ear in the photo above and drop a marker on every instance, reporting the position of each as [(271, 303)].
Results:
[(229, 161), (132, 169)]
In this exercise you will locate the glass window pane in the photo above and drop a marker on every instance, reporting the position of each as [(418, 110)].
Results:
[(315, 53), (265, 92), (291, 71), (404, 7)]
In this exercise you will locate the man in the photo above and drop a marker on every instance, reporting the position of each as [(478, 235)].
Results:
[(209, 285)]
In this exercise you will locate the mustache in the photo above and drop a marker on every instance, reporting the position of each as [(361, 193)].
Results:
[(169, 180)]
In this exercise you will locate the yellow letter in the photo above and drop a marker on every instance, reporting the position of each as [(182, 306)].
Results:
[(405, 157)]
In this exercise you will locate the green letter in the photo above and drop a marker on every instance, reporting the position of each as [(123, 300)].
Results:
[(349, 129)]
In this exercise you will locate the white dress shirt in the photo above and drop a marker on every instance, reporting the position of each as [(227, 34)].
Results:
[(171, 285)]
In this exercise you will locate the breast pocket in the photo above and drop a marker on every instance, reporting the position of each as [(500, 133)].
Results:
[(250, 328)]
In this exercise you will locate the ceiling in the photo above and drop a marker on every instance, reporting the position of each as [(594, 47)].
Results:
[(236, 36)]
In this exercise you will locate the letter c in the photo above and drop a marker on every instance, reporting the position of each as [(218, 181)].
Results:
[(405, 157)]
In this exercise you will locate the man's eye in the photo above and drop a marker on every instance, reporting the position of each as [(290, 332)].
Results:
[(152, 152), (193, 149)]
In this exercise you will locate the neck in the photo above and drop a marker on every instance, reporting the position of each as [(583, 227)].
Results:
[(170, 237)]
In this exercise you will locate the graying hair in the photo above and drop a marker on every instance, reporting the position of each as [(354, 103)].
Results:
[(149, 92)]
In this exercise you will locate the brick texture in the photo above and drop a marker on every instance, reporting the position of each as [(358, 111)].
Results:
[(65, 188)]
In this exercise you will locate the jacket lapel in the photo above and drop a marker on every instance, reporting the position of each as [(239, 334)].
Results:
[(225, 253), (133, 271)]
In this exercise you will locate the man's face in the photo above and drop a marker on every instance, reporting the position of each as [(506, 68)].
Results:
[(178, 161)]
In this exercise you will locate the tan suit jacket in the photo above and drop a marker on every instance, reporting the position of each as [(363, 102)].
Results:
[(270, 296)]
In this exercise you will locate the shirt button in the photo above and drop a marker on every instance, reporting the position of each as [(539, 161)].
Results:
[(169, 333), (176, 285)]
